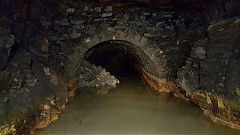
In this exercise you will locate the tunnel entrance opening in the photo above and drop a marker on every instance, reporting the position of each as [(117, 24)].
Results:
[(116, 62), (120, 60)]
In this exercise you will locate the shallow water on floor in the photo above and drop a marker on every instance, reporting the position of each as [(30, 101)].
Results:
[(133, 109)]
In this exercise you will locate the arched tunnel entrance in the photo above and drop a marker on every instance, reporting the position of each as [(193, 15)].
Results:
[(122, 59)]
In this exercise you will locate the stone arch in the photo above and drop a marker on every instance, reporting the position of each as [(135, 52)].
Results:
[(133, 37), (149, 69), (142, 62), (110, 33), (153, 68)]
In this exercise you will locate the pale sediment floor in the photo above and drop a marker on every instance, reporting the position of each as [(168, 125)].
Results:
[(132, 109)]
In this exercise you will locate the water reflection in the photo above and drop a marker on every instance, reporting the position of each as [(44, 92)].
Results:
[(132, 109)]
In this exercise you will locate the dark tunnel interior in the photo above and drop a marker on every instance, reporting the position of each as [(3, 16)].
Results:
[(118, 61)]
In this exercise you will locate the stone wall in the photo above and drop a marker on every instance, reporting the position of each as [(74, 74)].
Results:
[(193, 52)]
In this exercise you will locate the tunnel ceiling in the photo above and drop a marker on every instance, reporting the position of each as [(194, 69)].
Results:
[(172, 5), (183, 5)]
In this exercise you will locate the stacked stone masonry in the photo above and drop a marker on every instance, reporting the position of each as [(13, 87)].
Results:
[(193, 54)]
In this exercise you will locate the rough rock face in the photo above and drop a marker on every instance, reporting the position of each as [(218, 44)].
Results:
[(7, 42), (192, 53), (212, 71), (92, 76)]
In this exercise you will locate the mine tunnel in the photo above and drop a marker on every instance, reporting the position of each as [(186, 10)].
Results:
[(120, 60), (61, 62)]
